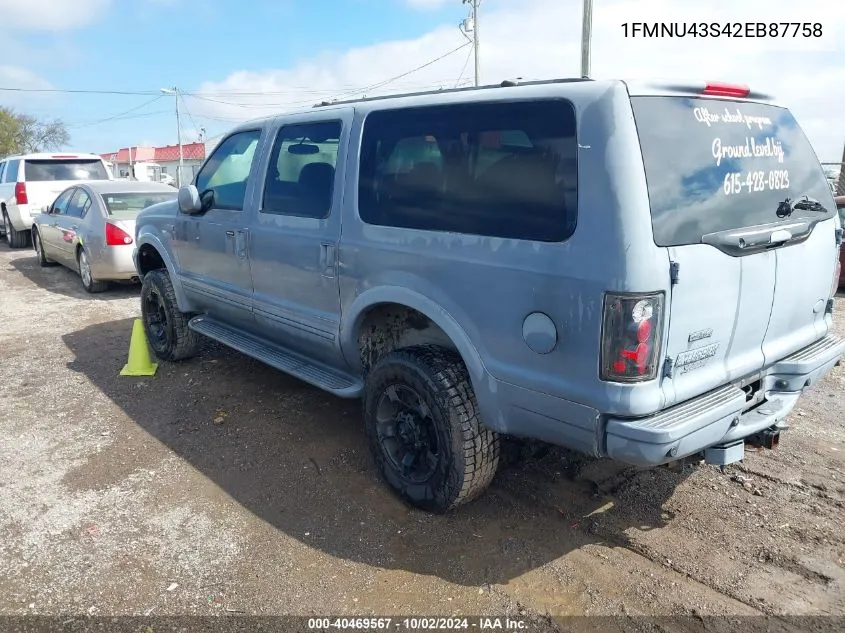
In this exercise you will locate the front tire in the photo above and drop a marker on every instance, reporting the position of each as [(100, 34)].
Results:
[(425, 431), (88, 282), (39, 250), (166, 326)]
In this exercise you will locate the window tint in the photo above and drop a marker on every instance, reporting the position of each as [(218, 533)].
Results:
[(12, 171), (715, 166), (300, 180), (227, 170), (129, 205), (70, 169), (60, 205), (494, 169), (79, 205)]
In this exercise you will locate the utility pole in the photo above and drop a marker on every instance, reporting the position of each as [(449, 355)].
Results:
[(475, 40), (175, 92), (586, 35)]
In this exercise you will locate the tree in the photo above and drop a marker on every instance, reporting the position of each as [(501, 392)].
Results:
[(23, 133)]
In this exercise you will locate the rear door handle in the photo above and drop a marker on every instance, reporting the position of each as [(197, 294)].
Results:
[(240, 243), (230, 233), (328, 259)]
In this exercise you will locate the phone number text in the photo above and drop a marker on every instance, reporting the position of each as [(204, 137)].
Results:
[(723, 29), (754, 181)]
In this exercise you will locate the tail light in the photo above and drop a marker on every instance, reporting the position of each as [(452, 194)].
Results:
[(116, 236), (20, 193), (631, 334), (836, 272)]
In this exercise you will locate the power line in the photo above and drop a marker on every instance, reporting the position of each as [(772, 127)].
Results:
[(405, 74), (190, 116), (265, 105), (157, 94), (464, 69), (131, 117), (92, 92), (119, 114)]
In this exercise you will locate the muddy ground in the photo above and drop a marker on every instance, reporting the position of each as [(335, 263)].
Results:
[(222, 486)]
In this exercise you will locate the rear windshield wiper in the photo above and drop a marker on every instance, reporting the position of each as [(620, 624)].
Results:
[(804, 203)]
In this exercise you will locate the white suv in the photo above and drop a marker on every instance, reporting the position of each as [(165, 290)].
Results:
[(29, 182)]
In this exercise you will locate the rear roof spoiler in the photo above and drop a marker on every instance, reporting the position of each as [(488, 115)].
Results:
[(697, 89)]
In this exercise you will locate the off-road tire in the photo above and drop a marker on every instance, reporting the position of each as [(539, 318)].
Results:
[(15, 238), (90, 284), (38, 246), (471, 456), (180, 342)]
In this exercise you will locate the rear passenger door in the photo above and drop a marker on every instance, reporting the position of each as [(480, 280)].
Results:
[(68, 223), (294, 236)]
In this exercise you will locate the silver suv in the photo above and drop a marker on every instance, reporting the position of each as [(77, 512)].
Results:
[(634, 271)]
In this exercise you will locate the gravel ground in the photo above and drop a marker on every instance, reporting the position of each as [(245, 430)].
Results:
[(222, 486)]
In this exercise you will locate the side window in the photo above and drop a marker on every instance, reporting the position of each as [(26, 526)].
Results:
[(12, 171), (300, 179), (227, 170), (61, 203), (2, 169), (79, 205), (493, 169)]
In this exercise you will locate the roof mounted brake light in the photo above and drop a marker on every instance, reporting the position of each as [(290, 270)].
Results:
[(717, 89)]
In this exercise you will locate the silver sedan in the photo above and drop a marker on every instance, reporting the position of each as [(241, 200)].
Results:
[(90, 228)]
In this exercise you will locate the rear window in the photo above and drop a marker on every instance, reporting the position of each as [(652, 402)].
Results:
[(68, 169), (491, 169), (128, 205), (715, 165)]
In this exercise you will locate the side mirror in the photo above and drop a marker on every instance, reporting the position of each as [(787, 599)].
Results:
[(189, 200)]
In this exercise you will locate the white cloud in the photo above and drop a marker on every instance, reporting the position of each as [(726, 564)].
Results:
[(50, 15), (17, 77), (541, 39)]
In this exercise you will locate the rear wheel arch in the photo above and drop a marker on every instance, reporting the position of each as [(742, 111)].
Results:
[(438, 326)]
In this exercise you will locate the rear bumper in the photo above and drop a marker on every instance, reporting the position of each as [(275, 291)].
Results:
[(19, 216), (114, 263), (717, 417)]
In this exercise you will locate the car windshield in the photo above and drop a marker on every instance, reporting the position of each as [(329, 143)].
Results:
[(127, 205), (65, 169), (715, 166)]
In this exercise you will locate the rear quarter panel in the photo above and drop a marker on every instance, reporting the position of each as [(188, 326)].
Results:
[(486, 287)]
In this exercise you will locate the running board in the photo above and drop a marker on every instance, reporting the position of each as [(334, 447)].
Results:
[(335, 382)]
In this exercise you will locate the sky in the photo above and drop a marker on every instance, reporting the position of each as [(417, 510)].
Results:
[(235, 60)]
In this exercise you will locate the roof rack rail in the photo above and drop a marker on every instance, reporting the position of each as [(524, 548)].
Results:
[(508, 83)]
